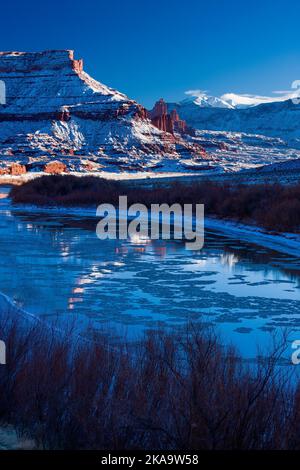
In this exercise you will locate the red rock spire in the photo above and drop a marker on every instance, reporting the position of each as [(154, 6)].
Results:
[(168, 122)]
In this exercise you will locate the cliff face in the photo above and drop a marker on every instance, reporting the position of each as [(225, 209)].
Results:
[(54, 109), (50, 82), (168, 122)]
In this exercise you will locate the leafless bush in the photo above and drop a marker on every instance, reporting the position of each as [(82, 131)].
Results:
[(272, 206), (165, 392)]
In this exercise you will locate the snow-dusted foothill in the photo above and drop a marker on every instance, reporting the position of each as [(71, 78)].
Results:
[(236, 113)]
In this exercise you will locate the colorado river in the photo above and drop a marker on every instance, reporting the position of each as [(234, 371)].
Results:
[(54, 266)]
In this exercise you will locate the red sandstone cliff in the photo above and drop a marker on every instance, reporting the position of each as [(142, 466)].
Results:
[(167, 122), (56, 111)]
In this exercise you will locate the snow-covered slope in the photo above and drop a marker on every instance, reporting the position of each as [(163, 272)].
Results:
[(55, 110), (290, 165), (277, 119), (234, 151)]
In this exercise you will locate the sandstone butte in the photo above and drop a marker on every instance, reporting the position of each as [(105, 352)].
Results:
[(55, 111)]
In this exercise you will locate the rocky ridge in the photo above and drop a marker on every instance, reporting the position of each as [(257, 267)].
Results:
[(56, 111)]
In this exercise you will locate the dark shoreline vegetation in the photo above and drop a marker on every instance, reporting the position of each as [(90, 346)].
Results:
[(176, 392), (272, 206)]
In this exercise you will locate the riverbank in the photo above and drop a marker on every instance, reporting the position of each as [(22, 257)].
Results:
[(265, 214), (145, 178), (66, 399), (133, 177), (288, 243)]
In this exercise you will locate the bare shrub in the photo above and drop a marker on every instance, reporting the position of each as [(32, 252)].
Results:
[(272, 206), (166, 391)]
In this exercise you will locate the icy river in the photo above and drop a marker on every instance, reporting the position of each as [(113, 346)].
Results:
[(54, 266)]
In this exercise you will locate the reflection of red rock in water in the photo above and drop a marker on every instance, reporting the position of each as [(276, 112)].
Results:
[(160, 250), (78, 290)]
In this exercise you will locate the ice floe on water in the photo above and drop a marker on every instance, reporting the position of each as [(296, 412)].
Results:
[(53, 265)]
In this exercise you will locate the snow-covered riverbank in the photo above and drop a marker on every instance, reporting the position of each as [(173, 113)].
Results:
[(139, 176), (288, 243), (282, 175)]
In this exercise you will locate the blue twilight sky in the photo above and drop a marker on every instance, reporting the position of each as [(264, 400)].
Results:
[(152, 49)]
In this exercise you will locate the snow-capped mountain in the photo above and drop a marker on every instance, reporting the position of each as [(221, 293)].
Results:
[(277, 119), (233, 100), (55, 110), (206, 101), (246, 101)]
